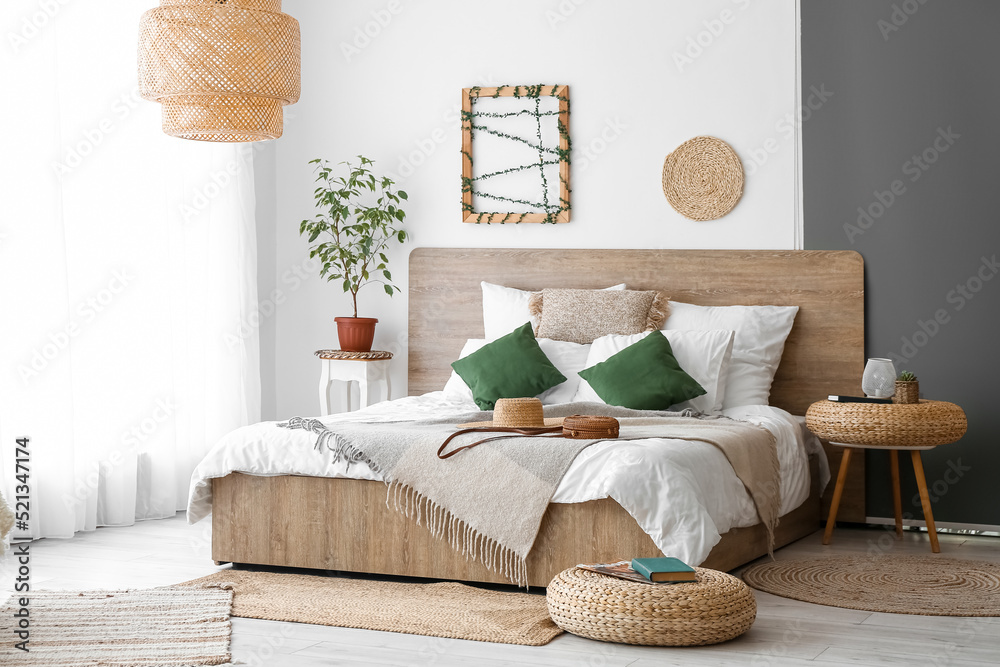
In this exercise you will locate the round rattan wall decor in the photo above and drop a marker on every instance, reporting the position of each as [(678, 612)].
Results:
[(703, 178)]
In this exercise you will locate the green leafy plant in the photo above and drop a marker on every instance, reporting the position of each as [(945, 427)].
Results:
[(359, 216), (907, 376)]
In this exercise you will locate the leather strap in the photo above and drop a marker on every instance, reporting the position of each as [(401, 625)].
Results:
[(491, 429)]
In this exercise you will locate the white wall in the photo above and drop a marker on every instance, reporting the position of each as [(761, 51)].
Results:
[(394, 98)]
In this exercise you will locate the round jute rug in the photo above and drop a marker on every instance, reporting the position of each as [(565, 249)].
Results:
[(922, 585)]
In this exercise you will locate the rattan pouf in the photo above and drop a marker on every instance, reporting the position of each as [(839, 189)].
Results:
[(717, 608)]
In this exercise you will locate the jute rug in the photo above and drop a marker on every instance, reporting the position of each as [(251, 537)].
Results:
[(140, 628), (436, 610), (924, 585)]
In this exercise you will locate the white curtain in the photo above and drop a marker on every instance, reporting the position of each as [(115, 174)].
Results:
[(127, 276)]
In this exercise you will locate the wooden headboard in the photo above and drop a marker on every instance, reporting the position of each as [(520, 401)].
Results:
[(823, 355)]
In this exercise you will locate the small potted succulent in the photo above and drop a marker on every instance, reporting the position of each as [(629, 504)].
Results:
[(907, 388), (359, 216)]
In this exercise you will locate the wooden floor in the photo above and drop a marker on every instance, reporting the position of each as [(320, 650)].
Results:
[(158, 553)]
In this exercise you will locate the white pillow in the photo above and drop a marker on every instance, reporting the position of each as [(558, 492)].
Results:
[(569, 358), (704, 355), (760, 339), (456, 389), (506, 308)]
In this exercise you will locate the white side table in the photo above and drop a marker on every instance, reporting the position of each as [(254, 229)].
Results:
[(365, 368)]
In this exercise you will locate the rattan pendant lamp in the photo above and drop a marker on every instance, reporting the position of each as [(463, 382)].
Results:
[(222, 69)]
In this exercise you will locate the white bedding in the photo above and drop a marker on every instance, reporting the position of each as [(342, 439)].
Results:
[(683, 494)]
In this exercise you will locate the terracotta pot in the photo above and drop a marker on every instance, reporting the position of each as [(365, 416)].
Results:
[(356, 333)]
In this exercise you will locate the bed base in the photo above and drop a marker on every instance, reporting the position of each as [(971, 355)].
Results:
[(344, 524)]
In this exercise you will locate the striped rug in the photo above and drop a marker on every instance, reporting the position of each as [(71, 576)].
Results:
[(140, 628)]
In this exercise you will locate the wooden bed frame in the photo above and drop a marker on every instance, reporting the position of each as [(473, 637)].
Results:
[(343, 524)]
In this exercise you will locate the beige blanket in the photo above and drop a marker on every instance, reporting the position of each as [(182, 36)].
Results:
[(488, 502)]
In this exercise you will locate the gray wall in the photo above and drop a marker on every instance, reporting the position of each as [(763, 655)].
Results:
[(916, 108)]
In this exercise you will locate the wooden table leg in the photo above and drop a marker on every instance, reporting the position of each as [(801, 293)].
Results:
[(925, 500), (897, 503), (837, 492)]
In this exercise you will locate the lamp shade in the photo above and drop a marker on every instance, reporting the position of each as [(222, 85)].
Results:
[(222, 69), (879, 379)]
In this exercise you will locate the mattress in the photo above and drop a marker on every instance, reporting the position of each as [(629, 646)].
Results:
[(683, 494)]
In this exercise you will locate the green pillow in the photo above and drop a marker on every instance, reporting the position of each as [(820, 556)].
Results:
[(643, 376), (512, 366)]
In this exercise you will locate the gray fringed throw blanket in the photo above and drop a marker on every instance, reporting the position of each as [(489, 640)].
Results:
[(488, 502)]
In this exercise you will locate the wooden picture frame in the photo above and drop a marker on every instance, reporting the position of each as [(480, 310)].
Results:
[(469, 179)]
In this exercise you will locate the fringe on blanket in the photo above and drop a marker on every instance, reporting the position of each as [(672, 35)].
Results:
[(442, 524), (341, 448)]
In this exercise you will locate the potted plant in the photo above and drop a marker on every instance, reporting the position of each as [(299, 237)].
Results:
[(359, 216), (907, 388)]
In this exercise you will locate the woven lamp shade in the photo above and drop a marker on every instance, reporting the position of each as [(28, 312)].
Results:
[(703, 178), (222, 69)]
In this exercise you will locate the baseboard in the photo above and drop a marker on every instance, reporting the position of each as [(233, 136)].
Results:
[(942, 526)]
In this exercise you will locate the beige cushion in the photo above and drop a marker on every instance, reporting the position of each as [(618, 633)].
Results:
[(582, 316)]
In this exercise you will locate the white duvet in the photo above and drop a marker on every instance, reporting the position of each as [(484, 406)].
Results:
[(683, 494)]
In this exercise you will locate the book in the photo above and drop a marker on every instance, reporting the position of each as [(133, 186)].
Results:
[(622, 569), (857, 399), (671, 570)]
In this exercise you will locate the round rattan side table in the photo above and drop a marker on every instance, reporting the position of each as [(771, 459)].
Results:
[(894, 427), (717, 608)]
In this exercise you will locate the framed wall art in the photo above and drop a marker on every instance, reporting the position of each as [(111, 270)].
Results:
[(516, 154)]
